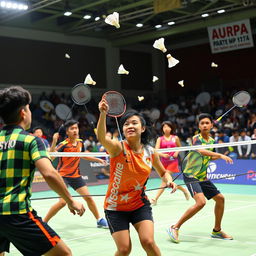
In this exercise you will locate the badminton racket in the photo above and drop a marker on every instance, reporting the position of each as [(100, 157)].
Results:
[(240, 99), (80, 95), (117, 107)]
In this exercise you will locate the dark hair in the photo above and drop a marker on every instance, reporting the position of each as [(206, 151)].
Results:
[(149, 132), (70, 123), (37, 128), (205, 115), (170, 124), (12, 100)]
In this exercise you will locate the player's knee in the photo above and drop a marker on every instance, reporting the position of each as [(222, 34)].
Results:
[(88, 199), (220, 198), (200, 204), (148, 243), (124, 250), (66, 252)]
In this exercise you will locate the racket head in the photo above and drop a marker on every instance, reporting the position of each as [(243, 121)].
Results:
[(192, 164), (116, 103), (63, 111), (241, 98), (81, 94)]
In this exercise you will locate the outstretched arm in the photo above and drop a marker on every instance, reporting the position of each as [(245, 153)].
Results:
[(165, 176), (215, 156)]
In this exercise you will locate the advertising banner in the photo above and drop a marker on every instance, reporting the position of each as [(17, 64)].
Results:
[(231, 36), (219, 169)]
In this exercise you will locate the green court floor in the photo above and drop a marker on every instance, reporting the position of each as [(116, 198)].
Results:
[(84, 238)]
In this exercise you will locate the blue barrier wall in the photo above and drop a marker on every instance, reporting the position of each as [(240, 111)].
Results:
[(218, 169)]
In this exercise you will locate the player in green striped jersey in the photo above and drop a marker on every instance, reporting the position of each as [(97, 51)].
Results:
[(20, 154), (205, 189)]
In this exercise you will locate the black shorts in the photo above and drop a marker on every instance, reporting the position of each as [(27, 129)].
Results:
[(206, 187), (28, 233), (74, 183), (120, 220)]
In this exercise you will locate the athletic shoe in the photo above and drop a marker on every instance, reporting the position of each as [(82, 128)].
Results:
[(173, 234), (221, 235), (102, 223)]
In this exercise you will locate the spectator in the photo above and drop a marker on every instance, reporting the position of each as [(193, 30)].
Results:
[(38, 132), (244, 151)]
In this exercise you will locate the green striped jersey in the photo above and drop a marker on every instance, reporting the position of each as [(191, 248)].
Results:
[(18, 153), (199, 140)]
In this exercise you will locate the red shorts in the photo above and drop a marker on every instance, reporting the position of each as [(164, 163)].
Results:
[(172, 166)]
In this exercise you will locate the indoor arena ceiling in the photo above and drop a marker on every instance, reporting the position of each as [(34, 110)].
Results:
[(48, 15)]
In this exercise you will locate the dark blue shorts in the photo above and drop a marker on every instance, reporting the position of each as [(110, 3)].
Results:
[(28, 233), (120, 220), (74, 183), (206, 187)]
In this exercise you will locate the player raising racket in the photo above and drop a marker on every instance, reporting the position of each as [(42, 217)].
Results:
[(200, 190), (131, 161)]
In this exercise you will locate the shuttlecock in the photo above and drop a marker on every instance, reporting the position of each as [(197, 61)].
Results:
[(67, 56), (181, 83), (113, 19), (122, 71), (155, 78), (171, 61), (159, 44), (140, 98), (89, 80), (214, 65)]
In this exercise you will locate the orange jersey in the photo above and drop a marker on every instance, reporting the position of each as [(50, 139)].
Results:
[(126, 189), (69, 166)]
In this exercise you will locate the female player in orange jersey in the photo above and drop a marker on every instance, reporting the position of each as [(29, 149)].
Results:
[(131, 161)]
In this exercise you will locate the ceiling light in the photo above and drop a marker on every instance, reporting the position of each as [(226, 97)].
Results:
[(139, 25), (67, 13), (158, 26), (87, 16), (170, 23), (3, 4), (221, 11), (13, 5), (204, 15)]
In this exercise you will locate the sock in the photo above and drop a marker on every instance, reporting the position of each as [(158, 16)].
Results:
[(214, 230)]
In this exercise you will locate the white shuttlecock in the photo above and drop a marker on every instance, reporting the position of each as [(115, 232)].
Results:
[(67, 56), (171, 61), (214, 65), (181, 83), (155, 78), (113, 19), (122, 71), (140, 98), (159, 44), (89, 80)]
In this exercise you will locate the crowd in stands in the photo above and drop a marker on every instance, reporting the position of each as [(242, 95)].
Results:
[(238, 125)]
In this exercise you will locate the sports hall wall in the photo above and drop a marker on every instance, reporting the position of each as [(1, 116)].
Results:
[(235, 70)]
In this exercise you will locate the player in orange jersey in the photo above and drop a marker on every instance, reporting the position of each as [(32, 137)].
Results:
[(130, 165), (68, 168)]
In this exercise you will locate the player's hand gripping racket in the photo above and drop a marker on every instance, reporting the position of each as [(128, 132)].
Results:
[(191, 167), (240, 99), (117, 107)]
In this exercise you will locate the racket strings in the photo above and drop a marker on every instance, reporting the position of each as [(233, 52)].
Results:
[(116, 103), (81, 94), (241, 98)]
